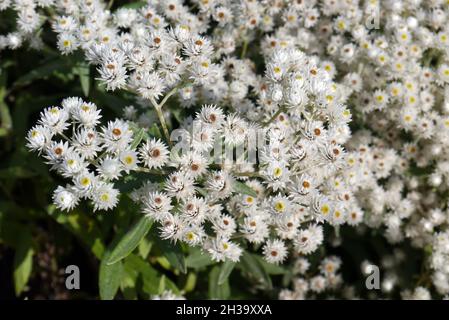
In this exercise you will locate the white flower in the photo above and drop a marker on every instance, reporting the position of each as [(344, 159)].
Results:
[(65, 198), (86, 114), (157, 205), (308, 240), (275, 251), (154, 154), (129, 160), (117, 136), (180, 185), (38, 138), (110, 168), (221, 249), (104, 196)]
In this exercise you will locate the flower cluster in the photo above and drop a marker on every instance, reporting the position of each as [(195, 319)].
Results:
[(344, 103), (92, 159), (325, 278), (30, 18)]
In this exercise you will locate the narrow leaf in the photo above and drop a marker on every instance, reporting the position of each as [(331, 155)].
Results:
[(173, 253), (217, 291), (150, 276), (82, 226), (130, 240), (109, 278), (225, 271), (42, 72), (23, 263), (253, 267), (198, 259), (135, 5), (271, 268), (83, 72), (240, 187), (137, 138)]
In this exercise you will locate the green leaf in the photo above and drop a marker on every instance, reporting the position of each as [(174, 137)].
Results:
[(110, 277), (82, 226), (198, 259), (83, 71), (137, 138), (150, 276), (130, 240), (42, 72), (23, 262), (201, 191), (5, 115), (135, 5), (190, 282), (16, 173), (128, 281), (154, 132), (271, 268), (173, 253), (161, 288), (217, 291), (240, 187), (113, 102), (225, 271), (254, 268), (144, 248)]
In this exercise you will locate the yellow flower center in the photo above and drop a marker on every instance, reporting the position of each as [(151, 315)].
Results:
[(325, 209), (279, 206), (277, 172), (85, 181)]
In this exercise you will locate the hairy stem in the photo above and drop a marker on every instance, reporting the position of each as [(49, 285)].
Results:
[(160, 115), (280, 110)]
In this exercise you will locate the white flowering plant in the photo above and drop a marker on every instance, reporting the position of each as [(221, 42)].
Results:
[(227, 148)]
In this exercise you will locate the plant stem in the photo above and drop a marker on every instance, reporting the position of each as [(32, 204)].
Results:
[(160, 115), (169, 94), (244, 48), (5, 115), (320, 164), (280, 110), (110, 4)]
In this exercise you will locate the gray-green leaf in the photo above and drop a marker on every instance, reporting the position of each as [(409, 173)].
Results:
[(138, 136), (109, 278), (130, 240), (225, 271), (83, 71), (241, 187), (217, 291), (23, 263), (252, 265), (173, 253)]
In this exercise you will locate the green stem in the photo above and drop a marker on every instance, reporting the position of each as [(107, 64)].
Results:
[(280, 110), (244, 48), (160, 115), (5, 115)]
